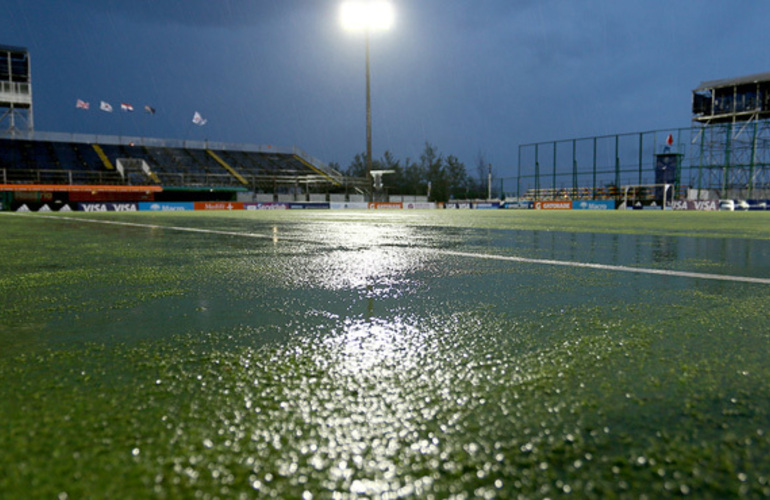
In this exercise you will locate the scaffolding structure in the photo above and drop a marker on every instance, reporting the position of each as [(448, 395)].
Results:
[(724, 154), (732, 118)]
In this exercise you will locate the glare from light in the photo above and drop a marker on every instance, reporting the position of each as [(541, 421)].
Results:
[(367, 15)]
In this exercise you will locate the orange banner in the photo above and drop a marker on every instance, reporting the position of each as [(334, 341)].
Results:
[(553, 205), (386, 206), (218, 205)]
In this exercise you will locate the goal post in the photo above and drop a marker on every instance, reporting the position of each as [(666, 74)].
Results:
[(642, 191)]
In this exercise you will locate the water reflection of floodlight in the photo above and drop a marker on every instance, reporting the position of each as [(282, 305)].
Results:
[(367, 16)]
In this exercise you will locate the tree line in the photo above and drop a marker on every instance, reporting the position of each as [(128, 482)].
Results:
[(440, 177)]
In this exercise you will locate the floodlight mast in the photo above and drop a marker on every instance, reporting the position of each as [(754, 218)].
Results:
[(367, 16)]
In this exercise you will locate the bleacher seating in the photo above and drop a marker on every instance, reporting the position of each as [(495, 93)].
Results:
[(45, 161)]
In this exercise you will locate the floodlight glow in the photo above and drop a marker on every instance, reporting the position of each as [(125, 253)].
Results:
[(370, 16)]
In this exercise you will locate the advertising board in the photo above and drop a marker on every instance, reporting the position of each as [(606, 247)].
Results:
[(344, 205), (419, 205), (487, 205), (593, 205), (266, 206), (458, 204), (308, 206), (517, 205), (160, 206), (695, 205), (553, 205), (107, 207), (386, 206), (218, 205)]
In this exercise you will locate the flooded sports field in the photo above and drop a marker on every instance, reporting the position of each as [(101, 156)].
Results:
[(431, 354)]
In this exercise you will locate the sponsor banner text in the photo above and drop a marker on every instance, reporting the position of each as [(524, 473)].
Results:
[(161, 206), (553, 205)]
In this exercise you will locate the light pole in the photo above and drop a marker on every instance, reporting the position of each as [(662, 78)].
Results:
[(367, 16)]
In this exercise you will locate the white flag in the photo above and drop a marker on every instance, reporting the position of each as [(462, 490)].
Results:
[(105, 106), (198, 119)]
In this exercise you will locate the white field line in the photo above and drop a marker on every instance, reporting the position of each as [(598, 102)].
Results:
[(504, 258), (606, 267)]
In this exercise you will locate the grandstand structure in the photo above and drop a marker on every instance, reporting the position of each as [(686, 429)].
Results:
[(724, 154), (141, 169), (39, 167)]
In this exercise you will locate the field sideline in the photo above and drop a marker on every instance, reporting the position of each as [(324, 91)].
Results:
[(316, 354)]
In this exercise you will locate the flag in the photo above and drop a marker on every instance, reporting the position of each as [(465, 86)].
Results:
[(126, 107), (149, 109), (105, 106), (670, 140), (198, 119), (80, 104)]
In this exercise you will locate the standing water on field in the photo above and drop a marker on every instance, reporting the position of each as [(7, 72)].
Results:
[(303, 355)]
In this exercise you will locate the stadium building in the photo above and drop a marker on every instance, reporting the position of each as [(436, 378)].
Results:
[(60, 170), (725, 154)]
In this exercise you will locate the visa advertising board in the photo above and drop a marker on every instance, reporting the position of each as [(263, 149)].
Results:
[(458, 204), (107, 207), (695, 205)]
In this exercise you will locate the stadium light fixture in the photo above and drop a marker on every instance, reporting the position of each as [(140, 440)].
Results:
[(367, 16)]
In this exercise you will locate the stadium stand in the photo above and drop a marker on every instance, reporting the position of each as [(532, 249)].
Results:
[(186, 168)]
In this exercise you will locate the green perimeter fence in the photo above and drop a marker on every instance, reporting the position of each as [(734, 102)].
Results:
[(730, 160)]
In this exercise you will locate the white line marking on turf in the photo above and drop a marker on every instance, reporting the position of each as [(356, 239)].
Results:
[(505, 258), (606, 267), (151, 226)]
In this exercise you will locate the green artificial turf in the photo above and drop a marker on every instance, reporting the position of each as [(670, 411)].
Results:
[(344, 354)]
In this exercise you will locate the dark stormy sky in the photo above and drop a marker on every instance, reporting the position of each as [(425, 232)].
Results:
[(470, 77)]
